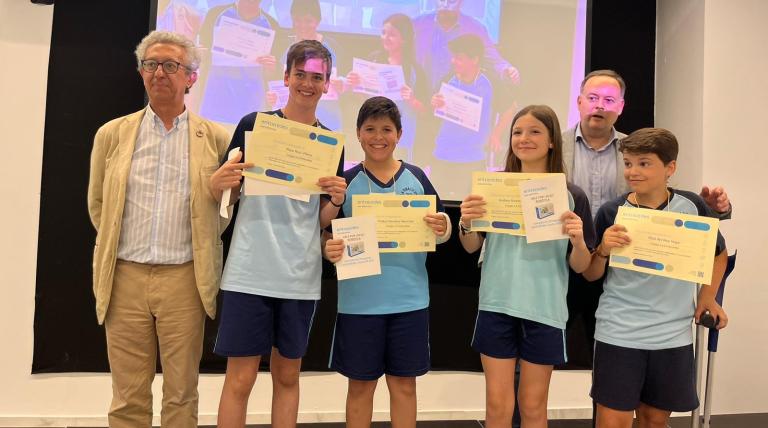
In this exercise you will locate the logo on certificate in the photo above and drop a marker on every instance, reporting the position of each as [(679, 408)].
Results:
[(545, 210)]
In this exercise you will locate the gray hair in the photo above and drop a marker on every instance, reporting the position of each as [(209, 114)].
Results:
[(155, 37)]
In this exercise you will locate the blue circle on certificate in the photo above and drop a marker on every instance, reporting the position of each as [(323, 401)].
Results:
[(679, 223), (312, 136), (405, 204)]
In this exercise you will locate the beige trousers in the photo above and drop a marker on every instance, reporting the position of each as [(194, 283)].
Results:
[(154, 305)]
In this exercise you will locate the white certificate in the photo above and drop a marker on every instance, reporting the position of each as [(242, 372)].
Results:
[(361, 248), (544, 200), (379, 79), (461, 107), (241, 40), (669, 244)]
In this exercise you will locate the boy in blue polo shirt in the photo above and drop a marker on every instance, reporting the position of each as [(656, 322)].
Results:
[(643, 341), (382, 325), (460, 150), (271, 282)]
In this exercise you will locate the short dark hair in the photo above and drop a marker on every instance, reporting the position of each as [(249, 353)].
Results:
[(304, 50), (606, 73), (469, 44), (376, 107), (651, 140), (548, 117), (306, 7)]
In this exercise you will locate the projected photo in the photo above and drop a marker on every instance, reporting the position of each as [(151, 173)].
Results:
[(457, 69)]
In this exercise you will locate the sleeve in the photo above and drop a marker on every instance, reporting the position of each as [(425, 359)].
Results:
[(429, 189), (96, 178), (604, 219), (238, 137), (582, 209)]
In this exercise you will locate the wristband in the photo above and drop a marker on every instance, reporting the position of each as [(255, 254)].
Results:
[(342, 202)]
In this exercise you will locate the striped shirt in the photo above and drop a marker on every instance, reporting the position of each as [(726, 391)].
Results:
[(156, 226)]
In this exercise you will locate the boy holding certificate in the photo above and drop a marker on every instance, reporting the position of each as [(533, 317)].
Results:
[(644, 360), (271, 281), (522, 310), (382, 325)]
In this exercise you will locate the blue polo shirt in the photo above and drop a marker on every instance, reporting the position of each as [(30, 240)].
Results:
[(403, 284)]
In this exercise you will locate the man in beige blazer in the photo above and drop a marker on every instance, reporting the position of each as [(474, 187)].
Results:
[(158, 254)]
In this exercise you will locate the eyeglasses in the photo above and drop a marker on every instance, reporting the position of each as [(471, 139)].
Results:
[(169, 67)]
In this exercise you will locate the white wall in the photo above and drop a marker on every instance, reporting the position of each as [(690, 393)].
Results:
[(732, 107), (82, 399), (711, 92)]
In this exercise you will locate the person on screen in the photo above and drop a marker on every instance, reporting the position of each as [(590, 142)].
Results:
[(644, 358), (382, 326), (397, 43), (591, 148), (434, 32), (522, 309), (306, 16), (157, 259), (459, 150), (180, 16), (234, 85), (271, 281)]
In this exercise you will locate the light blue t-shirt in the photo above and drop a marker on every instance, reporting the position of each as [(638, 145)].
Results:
[(530, 281), (403, 285), (275, 249), (642, 311)]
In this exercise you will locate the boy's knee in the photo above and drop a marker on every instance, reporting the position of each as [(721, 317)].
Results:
[(402, 386), (532, 407), (652, 417)]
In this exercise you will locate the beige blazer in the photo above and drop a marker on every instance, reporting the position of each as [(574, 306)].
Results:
[(111, 156)]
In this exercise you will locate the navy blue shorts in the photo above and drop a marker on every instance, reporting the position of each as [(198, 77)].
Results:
[(367, 346), (250, 325), (622, 378), (500, 335)]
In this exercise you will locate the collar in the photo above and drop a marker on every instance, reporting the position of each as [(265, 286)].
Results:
[(156, 121), (580, 138)]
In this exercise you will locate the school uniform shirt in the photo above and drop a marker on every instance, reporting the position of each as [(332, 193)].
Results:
[(642, 311), (403, 285), (275, 249), (530, 281), (456, 143)]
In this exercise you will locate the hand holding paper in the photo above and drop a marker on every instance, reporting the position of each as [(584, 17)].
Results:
[(333, 250), (669, 244), (472, 208), (573, 227), (359, 249)]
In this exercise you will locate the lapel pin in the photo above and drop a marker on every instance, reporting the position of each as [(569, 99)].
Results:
[(199, 133)]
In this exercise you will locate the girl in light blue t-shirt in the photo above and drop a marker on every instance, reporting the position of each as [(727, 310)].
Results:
[(522, 310)]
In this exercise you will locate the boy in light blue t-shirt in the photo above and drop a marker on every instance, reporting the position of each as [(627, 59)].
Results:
[(643, 360), (271, 281)]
